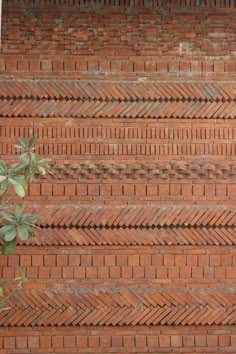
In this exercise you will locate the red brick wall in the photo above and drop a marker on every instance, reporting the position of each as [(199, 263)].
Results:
[(134, 102)]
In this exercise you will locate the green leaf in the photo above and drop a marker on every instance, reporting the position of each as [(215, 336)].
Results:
[(30, 218), (3, 167), (32, 140), (41, 170), (10, 235), (24, 157), (22, 232), (2, 178), (6, 228), (6, 216), (16, 179), (23, 273), (45, 160), (19, 147), (8, 247), (3, 187), (23, 142), (19, 166), (1, 291), (19, 189), (19, 210)]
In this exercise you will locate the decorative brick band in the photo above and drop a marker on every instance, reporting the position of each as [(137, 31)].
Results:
[(127, 148), (56, 132), (144, 171), (111, 139), (133, 216), (156, 339), (203, 4), (120, 307), (174, 235), (121, 100)]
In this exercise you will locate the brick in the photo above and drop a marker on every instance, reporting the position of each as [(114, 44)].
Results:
[(153, 341), (198, 190), (45, 342), (221, 189), (128, 341), (81, 189), (219, 66), (105, 341), (164, 341), (93, 341), (140, 341), (116, 66), (69, 341), (46, 189), (176, 341), (162, 66), (117, 189), (150, 66), (70, 189), (200, 341), (11, 64), (164, 189), (69, 65), (93, 66), (25, 260), (188, 341), (23, 64), (212, 341), (50, 260), (57, 341), (34, 189), (35, 65), (93, 189), (37, 260), (2, 64), (46, 65), (104, 65), (81, 65), (82, 342), (9, 342), (57, 65), (105, 189), (58, 189), (33, 342), (139, 66), (21, 342), (128, 189)]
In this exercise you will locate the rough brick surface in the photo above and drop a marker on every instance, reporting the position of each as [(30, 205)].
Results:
[(134, 102)]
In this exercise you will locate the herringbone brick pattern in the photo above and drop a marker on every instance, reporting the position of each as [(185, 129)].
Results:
[(166, 236), (121, 100), (134, 216), (134, 226), (120, 307)]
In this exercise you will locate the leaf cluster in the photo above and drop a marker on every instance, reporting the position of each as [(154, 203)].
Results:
[(18, 175)]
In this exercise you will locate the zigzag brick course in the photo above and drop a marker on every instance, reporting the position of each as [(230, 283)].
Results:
[(136, 216), (121, 307), (152, 100)]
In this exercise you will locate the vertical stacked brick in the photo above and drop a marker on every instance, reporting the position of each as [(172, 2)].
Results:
[(135, 104)]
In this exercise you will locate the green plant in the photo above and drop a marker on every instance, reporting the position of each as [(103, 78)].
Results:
[(14, 222)]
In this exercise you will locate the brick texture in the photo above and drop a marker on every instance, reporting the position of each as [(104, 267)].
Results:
[(134, 102)]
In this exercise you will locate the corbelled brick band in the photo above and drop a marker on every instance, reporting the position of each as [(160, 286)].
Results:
[(135, 103)]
